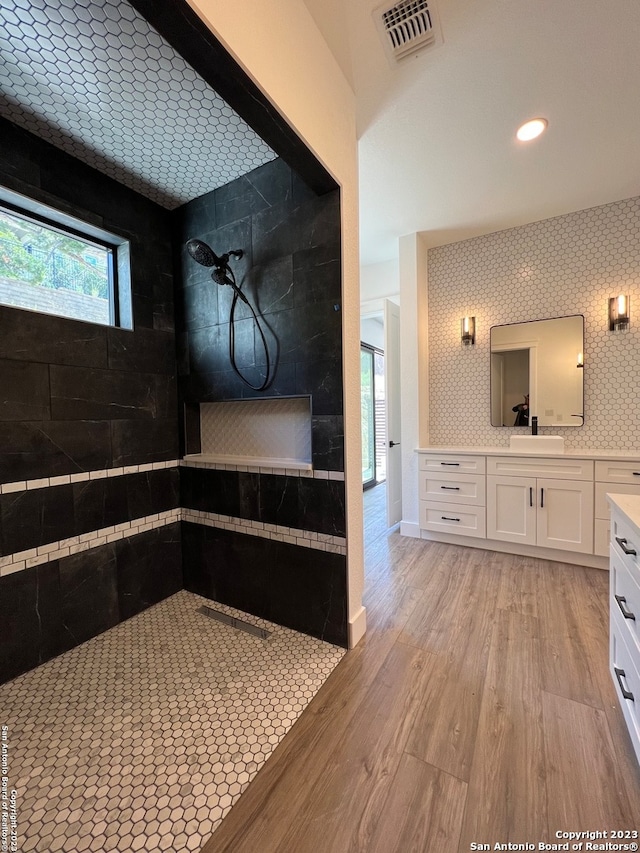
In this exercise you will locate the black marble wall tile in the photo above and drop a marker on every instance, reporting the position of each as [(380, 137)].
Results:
[(249, 495), (270, 287), (79, 393), (309, 593), (141, 441), (200, 304), (293, 586), (163, 306), (40, 516), (152, 492), (262, 188), (191, 426), (284, 229), (36, 517), (30, 615), (306, 503), (227, 567), (31, 450), (25, 391), (327, 452), (292, 275), (280, 500), (322, 381), (210, 490), (27, 335), (149, 569), (100, 503), (308, 333), (88, 594), (51, 608), (143, 351), (322, 506), (317, 274), (95, 373)]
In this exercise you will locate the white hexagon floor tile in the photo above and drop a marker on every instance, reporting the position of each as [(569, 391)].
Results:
[(142, 738)]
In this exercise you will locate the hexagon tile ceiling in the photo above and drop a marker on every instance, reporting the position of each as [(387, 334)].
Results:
[(96, 80)]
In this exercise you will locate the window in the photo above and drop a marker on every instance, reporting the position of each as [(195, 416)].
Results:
[(372, 402), (58, 265)]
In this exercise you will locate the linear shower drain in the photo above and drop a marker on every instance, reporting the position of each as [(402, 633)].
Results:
[(238, 624)]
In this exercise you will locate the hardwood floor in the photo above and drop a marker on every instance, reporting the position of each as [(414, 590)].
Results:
[(478, 708)]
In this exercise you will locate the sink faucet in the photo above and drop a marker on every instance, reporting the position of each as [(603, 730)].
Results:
[(534, 425)]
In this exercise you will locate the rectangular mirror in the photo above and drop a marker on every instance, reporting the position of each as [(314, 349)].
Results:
[(536, 369)]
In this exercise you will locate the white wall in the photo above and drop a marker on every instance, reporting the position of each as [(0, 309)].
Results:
[(372, 332), (280, 47), (377, 283)]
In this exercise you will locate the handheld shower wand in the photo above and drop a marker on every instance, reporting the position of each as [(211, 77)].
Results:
[(223, 274)]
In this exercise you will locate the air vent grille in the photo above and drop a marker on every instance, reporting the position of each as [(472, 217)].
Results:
[(406, 27)]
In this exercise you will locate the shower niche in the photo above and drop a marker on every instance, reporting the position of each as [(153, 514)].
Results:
[(273, 433)]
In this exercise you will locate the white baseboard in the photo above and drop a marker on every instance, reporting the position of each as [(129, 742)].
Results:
[(410, 528), (357, 627)]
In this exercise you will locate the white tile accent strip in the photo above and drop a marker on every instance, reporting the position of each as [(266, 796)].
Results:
[(64, 548), (64, 479), (45, 482), (21, 560), (305, 538)]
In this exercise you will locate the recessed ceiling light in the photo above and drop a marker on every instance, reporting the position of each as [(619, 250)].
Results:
[(531, 129)]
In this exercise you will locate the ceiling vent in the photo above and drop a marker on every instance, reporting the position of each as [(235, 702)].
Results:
[(406, 27)]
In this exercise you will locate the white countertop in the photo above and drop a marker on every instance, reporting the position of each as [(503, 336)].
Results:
[(629, 505), (616, 455)]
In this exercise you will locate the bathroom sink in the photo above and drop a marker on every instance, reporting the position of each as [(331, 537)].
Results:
[(537, 443)]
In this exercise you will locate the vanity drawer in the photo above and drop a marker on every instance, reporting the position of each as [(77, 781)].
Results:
[(626, 680), (451, 518), (452, 488), (555, 468), (618, 472), (625, 600), (602, 508), (452, 463), (625, 545)]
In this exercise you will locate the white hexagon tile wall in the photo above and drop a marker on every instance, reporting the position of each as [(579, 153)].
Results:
[(566, 265)]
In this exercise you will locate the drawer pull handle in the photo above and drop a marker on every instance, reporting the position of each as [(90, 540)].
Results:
[(451, 488), (636, 473), (620, 675), (623, 544), (454, 464), (448, 518), (621, 604)]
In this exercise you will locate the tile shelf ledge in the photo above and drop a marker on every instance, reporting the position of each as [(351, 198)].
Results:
[(259, 461)]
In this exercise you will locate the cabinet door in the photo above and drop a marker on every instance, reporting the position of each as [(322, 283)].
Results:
[(565, 515), (511, 509)]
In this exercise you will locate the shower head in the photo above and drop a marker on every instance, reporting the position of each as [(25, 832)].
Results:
[(203, 254), (206, 257)]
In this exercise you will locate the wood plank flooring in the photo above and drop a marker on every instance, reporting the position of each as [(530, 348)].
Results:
[(478, 708)]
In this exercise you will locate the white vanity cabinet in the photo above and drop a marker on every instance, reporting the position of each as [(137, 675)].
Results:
[(624, 645), (612, 477), (538, 502), (452, 494)]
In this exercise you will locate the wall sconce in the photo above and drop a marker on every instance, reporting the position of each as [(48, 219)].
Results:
[(468, 331), (618, 313), (580, 360)]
